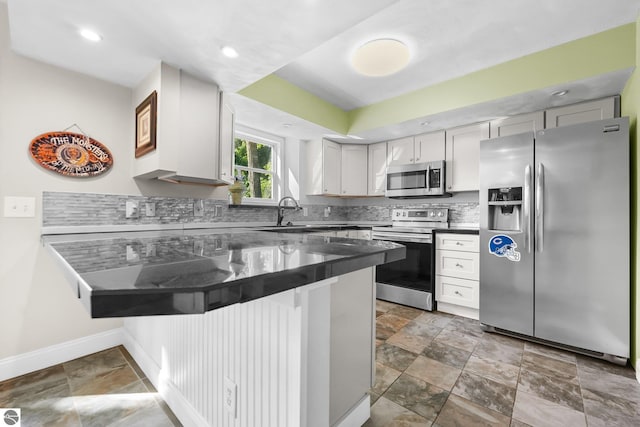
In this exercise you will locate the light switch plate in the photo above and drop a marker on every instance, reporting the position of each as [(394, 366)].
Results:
[(19, 207), (150, 209)]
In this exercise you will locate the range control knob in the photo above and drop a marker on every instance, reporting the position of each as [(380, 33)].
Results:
[(440, 214), (432, 214)]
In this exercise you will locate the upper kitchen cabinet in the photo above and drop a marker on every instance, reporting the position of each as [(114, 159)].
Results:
[(336, 170), (422, 148), (354, 161), (463, 155), (522, 123), (377, 169), (606, 108), (400, 151), (189, 147), (429, 147), (227, 132), (323, 167)]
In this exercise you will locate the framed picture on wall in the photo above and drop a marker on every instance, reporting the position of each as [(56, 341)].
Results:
[(146, 121)]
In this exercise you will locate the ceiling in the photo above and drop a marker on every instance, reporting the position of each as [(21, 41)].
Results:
[(309, 42)]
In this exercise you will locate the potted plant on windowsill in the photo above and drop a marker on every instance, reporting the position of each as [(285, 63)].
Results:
[(237, 190)]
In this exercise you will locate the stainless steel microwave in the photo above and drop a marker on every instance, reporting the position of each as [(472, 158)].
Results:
[(416, 180)]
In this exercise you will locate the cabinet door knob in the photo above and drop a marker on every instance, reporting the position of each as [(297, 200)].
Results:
[(417, 158), (411, 159), (458, 293)]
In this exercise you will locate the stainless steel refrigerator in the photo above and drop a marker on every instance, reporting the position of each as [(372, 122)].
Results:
[(554, 235)]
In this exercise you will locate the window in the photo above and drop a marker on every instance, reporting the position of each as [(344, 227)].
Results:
[(256, 160)]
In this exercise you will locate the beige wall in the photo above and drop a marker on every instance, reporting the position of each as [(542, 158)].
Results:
[(37, 306)]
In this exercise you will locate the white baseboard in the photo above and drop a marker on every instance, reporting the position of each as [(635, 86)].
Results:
[(358, 415), (25, 363), (181, 407)]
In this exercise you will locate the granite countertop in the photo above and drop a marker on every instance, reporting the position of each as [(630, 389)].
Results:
[(194, 271)]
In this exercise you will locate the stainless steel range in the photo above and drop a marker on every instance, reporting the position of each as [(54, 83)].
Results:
[(409, 281)]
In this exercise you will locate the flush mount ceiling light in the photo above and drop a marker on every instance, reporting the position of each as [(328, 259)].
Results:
[(381, 57), (560, 93), (90, 35), (229, 52)]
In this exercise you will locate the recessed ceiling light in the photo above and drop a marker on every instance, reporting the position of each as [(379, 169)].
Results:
[(424, 123), (229, 52), (90, 35), (560, 93), (381, 57), (287, 125)]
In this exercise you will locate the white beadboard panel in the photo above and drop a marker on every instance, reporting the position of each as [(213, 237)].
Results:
[(262, 346)]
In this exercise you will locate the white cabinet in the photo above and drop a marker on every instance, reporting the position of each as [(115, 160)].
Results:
[(351, 234), (530, 122), (582, 112), (463, 156), (336, 170), (359, 234), (422, 148), (331, 167), (429, 147), (323, 167), (188, 129), (377, 169), (354, 161), (400, 151), (457, 263), (227, 131)]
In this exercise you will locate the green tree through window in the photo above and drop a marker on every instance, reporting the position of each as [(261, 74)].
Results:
[(254, 163)]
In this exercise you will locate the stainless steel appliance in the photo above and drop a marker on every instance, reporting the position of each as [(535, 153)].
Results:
[(554, 236), (416, 180), (409, 281)]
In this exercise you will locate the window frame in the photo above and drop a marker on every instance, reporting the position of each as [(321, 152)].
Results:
[(275, 142)]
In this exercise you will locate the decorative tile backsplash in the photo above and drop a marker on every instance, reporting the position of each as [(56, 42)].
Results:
[(90, 209)]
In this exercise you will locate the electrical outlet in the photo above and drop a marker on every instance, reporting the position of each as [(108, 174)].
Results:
[(19, 207), (198, 208), (327, 211), (305, 211), (131, 209), (230, 396), (217, 210), (132, 254), (150, 209)]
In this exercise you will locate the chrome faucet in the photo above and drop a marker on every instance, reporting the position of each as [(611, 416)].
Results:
[(281, 209)]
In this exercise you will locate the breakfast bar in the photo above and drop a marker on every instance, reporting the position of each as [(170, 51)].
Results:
[(239, 326)]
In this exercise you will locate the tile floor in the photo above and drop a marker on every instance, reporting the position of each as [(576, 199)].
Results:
[(102, 389), (435, 369)]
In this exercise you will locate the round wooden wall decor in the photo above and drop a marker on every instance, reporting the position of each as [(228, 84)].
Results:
[(71, 154)]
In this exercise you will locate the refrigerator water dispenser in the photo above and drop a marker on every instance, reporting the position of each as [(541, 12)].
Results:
[(505, 209)]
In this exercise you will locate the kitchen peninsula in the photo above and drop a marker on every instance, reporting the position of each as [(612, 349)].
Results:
[(237, 326)]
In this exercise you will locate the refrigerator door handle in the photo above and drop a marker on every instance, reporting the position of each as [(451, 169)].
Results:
[(527, 207), (540, 208)]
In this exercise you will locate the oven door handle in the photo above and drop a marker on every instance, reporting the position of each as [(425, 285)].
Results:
[(400, 238)]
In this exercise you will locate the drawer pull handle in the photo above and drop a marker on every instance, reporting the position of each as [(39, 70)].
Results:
[(458, 244), (458, 293), (459, 265)]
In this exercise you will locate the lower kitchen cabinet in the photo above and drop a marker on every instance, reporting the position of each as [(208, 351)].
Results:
[(457, 262)]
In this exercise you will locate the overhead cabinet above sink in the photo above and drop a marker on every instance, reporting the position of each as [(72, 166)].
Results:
[(194, 139)]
